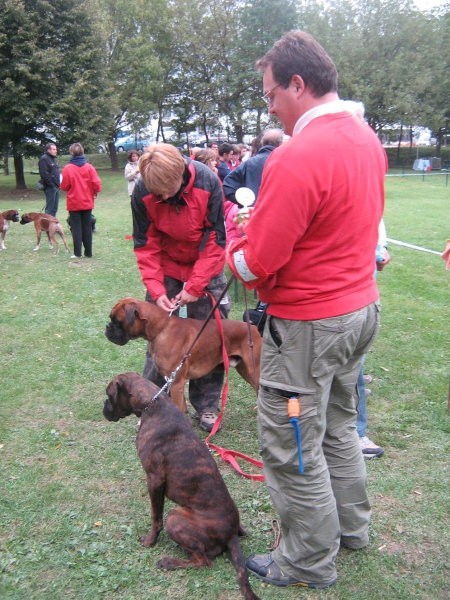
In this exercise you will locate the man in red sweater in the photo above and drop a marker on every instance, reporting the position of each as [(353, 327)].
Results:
[(309, 251)]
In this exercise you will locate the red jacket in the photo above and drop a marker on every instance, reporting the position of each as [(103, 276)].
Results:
[(183, 237), (309, 248), (82, 184)]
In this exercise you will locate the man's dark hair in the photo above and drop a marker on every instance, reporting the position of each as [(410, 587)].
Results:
[(49, 145), (225, 148), (298, 53)]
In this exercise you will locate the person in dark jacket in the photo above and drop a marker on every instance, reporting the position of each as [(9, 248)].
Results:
[(225, 155), (249, 173), (179, 244), (49, 172)]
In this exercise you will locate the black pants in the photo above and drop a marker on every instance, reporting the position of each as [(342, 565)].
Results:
[(81, 226)]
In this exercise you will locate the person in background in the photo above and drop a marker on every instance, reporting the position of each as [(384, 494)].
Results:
[(81, 182), (225, 154), (50, 177), (214, 147), (370, 449), (249, 173), (207, 156), (132, 170), (179, 244), (308, 251)]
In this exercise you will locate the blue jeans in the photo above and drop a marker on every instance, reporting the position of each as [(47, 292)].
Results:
[(51, 200), (361, 419)]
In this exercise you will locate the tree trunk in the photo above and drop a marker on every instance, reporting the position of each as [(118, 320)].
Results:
[(113, 156), (20, 176), (5, 161)]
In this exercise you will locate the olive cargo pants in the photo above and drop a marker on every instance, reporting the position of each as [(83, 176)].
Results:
[(327, 504)]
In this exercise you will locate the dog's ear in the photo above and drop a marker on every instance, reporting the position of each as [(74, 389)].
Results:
[(131, 312)]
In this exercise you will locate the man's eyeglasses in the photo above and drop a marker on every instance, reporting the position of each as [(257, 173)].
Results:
[(267, 98)]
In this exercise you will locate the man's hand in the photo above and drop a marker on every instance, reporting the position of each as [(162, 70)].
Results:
[(384, 261)]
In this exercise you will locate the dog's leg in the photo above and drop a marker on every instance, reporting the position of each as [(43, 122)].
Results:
[(190, 534), (38, 243), (53, 242), (2, 241), (63, 237), (249, 372), (177, 394), (157, 502), (50, 240)]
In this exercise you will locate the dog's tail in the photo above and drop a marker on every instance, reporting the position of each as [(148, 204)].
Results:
[(238, 561)]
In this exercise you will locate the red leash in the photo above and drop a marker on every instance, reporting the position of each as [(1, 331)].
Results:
[(230, 456)]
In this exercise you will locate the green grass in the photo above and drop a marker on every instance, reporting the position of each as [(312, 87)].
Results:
[(73, 498)]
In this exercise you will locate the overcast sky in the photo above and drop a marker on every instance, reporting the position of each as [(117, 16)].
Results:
[(428, 4)]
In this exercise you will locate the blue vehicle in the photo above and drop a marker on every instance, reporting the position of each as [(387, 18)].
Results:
[(132, 142)]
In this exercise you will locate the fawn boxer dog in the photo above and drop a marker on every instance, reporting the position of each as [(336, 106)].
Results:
[(5, 217), (48, 224), (170, 337), (179, 465)]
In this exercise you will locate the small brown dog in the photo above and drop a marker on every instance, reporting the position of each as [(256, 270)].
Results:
[(47, 223), (170, 337), (5, 218), (179, 465)]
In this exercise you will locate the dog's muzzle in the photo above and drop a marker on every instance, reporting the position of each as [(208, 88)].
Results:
[(108, 411), (116, 334)]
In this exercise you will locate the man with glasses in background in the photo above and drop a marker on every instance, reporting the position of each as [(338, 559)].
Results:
[(309, 251)]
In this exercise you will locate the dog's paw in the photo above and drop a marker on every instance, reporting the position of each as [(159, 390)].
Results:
[(50, 246), (36, 249), (168, 562), (149, 540)]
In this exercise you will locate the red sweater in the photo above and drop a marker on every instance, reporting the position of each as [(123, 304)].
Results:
[(310, 242), (82, 184)]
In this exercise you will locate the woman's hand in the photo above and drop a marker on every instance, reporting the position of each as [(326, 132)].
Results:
[(184, 298), (166, 304)]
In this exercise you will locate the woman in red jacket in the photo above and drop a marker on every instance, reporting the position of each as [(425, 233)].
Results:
[(179, 244), (82, 184)]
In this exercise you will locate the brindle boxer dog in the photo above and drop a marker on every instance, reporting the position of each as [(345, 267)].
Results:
[(170, 337), (179, 465), (47, 223), (5, 218)]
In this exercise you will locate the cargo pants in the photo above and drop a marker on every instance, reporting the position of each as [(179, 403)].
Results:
[(327, 505)]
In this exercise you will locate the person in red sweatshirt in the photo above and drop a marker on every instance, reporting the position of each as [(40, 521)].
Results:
[(309, 251), (82, 184)]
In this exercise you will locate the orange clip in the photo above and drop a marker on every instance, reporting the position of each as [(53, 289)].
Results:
[(293, 407)]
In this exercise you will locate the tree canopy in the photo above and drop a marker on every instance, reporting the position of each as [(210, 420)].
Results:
[(87, 69)]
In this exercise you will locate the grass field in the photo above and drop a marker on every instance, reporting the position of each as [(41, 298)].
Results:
[(73, 497)]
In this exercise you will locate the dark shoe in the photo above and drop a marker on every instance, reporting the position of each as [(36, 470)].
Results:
[(369, 449), (207, 420), (264, 567)]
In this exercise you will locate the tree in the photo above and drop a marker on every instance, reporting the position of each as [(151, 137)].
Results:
[(49, 66), (131, 36)]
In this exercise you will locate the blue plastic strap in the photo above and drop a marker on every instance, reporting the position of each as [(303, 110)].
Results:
[(298, 437)]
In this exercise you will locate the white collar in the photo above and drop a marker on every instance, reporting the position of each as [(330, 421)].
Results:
[(335, 106)]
